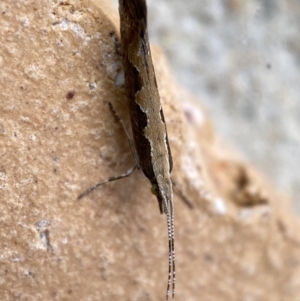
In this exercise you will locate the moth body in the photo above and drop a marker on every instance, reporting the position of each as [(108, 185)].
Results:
[(146, 114), (151, 148)]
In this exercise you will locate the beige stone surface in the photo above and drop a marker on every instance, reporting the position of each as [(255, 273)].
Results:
[(60, 66)]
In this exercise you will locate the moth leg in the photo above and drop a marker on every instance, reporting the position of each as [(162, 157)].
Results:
[(129, 172), (130, 140), (110, 179), (182, 195)]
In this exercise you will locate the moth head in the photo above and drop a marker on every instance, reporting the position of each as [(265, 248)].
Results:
[(154, 189), (162, 189)]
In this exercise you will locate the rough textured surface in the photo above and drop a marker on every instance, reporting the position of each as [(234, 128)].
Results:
[(60, 65)]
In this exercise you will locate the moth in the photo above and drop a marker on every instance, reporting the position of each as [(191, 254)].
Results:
[(150, 145)]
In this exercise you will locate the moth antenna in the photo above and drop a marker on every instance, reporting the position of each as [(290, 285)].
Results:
[(170, 223), (173, 246), (170, 252)]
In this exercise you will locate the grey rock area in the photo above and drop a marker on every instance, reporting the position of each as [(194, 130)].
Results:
[(242, 60)]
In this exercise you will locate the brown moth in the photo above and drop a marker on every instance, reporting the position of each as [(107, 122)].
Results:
[(146, 114), (151, 147)]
